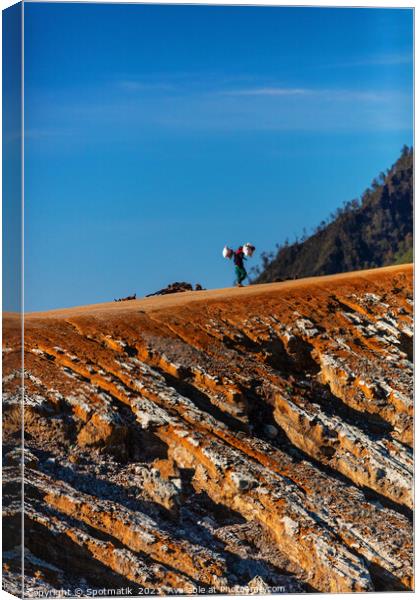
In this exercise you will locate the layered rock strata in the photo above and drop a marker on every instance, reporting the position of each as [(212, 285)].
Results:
[(256, 439)]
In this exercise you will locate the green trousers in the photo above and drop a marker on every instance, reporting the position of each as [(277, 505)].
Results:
[(240, 274)]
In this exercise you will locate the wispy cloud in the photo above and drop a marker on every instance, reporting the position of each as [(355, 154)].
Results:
[(213, 88), (180, 81), (142, 105), (322, 93), (269, 91)]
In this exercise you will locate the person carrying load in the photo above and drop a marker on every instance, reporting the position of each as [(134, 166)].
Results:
[(239, 256)]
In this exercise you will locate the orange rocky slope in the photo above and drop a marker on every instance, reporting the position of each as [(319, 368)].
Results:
[(207, 441)]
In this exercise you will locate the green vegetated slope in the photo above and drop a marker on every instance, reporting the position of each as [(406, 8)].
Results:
[(375, 231)]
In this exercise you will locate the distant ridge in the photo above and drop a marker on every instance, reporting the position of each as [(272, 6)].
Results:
[(375, 231)]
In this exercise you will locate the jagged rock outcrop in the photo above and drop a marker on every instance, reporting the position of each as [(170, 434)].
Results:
[(255, 440)]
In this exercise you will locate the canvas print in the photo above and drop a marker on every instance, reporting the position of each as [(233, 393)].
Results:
[(208, 300)]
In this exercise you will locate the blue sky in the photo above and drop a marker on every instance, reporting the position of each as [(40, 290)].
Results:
[(156, 134)]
